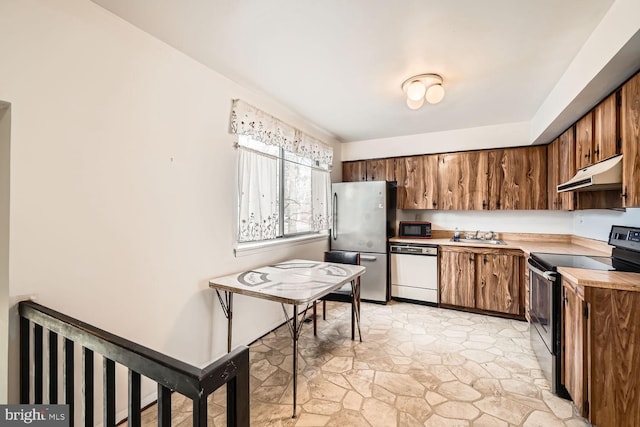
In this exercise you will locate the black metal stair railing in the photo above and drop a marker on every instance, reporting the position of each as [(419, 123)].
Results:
[(170, 374)]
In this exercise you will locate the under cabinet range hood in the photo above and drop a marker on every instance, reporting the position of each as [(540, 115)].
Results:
[(605, 175)]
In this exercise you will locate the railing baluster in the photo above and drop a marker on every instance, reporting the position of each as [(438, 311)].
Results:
[(25, 335), (87, 388), (135, 401), (200, 411), (69, 377), (38, 361), (53, 367), (109, 392), (170, 374), (164, 406)]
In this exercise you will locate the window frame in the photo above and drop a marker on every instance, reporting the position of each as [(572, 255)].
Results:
[(282, 237)]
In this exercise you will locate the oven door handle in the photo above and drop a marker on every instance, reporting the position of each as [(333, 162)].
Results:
[(549, 275)]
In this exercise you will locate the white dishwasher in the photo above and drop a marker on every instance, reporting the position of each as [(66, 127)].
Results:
[(414, 272)]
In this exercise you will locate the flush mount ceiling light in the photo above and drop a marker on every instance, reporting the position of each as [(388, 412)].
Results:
[(421, 87)]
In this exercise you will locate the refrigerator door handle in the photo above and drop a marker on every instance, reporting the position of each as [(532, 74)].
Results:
[(368, 258), (335, 216)]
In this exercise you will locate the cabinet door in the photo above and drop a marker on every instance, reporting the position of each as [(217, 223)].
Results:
[(457, 276), (584, 141), (518, 178), (566, 166), (630, 123), (553, 154), (417, 182), (573, 346), (354, 171), (462, 181), (498, 283), (606, 128), (381, 170)]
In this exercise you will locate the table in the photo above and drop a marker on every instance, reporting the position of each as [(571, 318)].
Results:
[(294, 282)]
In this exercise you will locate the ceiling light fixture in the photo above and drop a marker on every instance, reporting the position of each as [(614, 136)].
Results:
[(421, 87)]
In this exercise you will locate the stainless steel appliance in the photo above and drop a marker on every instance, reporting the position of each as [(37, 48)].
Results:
[(364, 217), (546, 289), (414, 230), (414, 272)]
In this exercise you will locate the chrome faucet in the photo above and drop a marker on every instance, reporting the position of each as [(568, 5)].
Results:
[(476, 235)]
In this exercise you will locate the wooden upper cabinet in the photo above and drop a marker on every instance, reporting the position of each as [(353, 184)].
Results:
[(381, 170), (518, 178), (553, 199), (630, 132), (462, 181), (584, 141), (497, 286), (606, 128), (354, 171), (457, 277), (566, 166), (417, 178)]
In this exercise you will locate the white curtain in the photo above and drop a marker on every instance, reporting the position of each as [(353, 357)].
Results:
[(251, 121), (320, 199), (258, 193)]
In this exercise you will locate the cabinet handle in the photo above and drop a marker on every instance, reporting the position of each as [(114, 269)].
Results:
[(434, 204), (470, 259), (484, 204), (624, 195), (596, 152), (484, 259), (566, 300), (588, 155)]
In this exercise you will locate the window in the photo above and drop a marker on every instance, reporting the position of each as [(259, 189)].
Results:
[(283, 177), (280, 193)]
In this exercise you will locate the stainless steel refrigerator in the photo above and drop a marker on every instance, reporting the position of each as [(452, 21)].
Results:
[(364, 217)]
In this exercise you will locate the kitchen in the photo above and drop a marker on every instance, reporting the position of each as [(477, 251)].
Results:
[(132, 187)]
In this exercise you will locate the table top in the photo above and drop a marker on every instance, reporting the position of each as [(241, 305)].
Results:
[(296, 281)]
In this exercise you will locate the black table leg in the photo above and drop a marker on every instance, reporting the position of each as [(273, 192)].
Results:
[(227, 308), (295, 327)]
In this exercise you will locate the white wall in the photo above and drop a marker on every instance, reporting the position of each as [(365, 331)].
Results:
[(596, 224), (607, 58), (122, 180), (593, 224), (503, 135), (5, 151), (547, 222)]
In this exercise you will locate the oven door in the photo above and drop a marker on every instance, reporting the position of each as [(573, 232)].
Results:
[(545, 324), (541, 304), (542, 286)]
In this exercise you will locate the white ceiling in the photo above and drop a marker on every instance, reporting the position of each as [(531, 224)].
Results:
[(340, 63)]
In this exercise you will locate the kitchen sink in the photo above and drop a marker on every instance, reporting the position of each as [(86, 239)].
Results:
[(482, 241)]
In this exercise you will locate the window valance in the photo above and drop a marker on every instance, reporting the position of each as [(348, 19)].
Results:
[(251, 121)]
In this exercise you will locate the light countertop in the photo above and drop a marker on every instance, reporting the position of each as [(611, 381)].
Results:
[(603, 279), (526, 246)]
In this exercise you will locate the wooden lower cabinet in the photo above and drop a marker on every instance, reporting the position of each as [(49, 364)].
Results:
[(457, 278), (481, 279), (573, 340), (601, 359)]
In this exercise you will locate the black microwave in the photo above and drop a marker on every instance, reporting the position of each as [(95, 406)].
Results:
[(414, 230)]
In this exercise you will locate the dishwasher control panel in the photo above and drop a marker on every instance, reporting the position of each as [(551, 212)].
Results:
[(413, 249)]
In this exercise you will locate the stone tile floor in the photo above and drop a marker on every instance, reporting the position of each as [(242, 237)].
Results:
[(416, 366)]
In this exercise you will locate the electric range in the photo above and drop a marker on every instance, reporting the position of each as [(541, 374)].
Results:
[(546, 289)]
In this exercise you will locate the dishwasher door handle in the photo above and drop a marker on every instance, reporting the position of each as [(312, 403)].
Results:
[(368, 258)]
